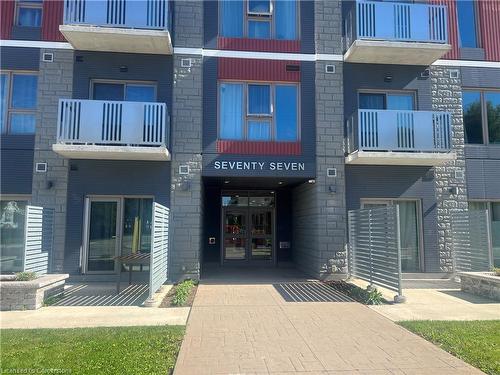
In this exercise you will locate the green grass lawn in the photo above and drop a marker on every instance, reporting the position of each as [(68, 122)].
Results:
[(475, 342), (121, 350)]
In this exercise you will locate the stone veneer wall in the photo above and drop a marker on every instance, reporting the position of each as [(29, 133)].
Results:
[(447, 96), (186, 145), (55, 81), (319, 229)]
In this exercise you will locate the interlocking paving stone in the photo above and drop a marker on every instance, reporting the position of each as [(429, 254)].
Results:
[(254, 329)]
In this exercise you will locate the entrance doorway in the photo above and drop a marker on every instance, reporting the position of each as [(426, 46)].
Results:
[(115, 226), (248, 222), (410, 231)]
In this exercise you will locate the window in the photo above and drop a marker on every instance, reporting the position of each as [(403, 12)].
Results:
[(29, 13), (392, 101), (473, 124), (270, 112), (259, 19), (124, 91), (467, 23), (19, 102), (481, 111), (493, 209), (12, 219)]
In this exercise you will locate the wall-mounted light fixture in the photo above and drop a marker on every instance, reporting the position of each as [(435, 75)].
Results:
[(388, 78)]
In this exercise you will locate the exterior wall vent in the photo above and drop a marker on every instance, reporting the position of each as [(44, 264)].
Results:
[(183, 169), (330, 69), (454, 73), (41, 167), (48, 57), (425, 74), (331, 172), (186, 63), (292, 68)]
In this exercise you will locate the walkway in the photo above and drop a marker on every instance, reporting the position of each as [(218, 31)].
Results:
[(239, 326), (96, 305)]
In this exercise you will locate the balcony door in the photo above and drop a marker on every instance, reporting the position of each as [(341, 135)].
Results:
[(115, 226), (124, 91), (410, 231), (402, 101)]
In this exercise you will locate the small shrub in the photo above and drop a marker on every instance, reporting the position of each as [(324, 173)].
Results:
[(496, 271), (368, 296), (26, 276), (182, 291), (52, 300), (373, 297)]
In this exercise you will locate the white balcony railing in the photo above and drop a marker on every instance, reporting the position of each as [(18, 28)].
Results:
[(399, 131), (393, 21), (120, 123), (147, 14)]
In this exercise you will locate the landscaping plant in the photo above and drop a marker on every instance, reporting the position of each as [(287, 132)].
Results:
[(26, 276), (182, 292), (368, 296)]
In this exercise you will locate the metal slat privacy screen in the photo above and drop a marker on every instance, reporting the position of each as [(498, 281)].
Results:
[(38, 239), (374, 246), (470, 237), (159, 248)]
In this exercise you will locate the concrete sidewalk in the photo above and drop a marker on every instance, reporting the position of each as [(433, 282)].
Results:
[(436, 299), (93, 316), (237, 328)]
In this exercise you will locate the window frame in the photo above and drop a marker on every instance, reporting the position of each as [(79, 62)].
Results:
[(262, 17), (246, 117), (28, 4), (413, 93), (489, 208), (477, 27), (125, 83), (9, 109), (484, 115)]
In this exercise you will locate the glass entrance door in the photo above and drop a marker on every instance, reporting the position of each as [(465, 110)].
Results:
[(235, 235), (102, 235), (247, 227), (261, 234)]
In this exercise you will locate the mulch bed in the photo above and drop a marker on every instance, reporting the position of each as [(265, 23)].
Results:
[(167, 301)]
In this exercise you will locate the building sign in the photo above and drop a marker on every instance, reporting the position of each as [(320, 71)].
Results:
[(258, 165)]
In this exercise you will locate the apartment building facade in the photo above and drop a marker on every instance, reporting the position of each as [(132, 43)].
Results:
[(258, 123)]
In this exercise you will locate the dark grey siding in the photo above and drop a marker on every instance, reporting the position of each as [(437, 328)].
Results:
[(483, 179), (105, 65), (106, 177), (372, 77), (480, 77), (211, 24), (19, 58), (307, 44), (399, 182), (16, 164)]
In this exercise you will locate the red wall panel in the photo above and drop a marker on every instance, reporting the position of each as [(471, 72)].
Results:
[(454, 53), (257, 70), (262, 45), (6, 18), (52, 17), (258, 148), (489, 23)]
